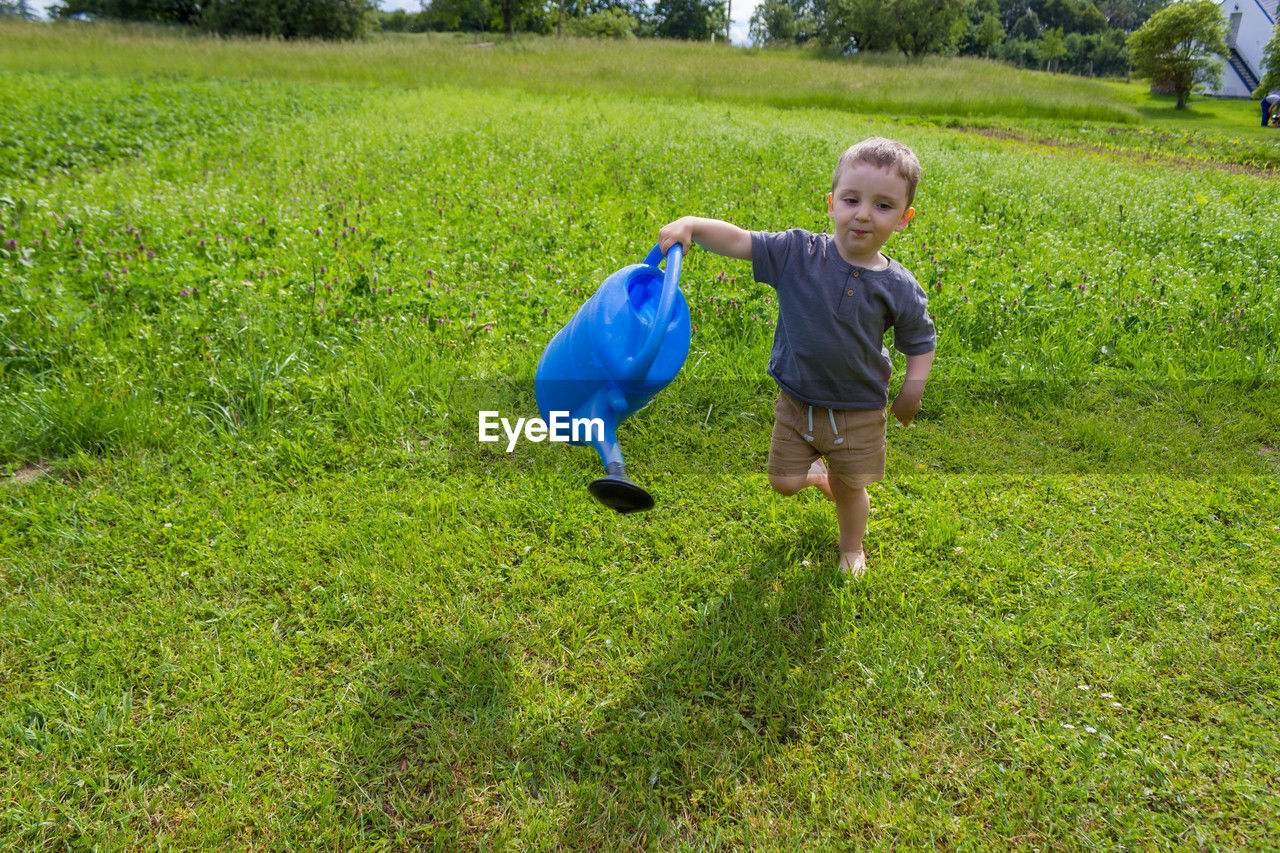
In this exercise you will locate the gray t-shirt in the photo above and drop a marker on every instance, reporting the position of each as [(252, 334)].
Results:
[(828, 348)]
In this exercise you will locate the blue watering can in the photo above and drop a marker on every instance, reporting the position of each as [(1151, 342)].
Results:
[(623, 346)]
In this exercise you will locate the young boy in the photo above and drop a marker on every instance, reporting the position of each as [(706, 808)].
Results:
[(837, 295)]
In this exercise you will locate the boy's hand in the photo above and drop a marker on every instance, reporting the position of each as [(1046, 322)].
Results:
[(907, 404), (680, 231), (714, 235)]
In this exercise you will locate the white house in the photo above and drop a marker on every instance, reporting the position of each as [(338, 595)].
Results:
[(1250, 24)]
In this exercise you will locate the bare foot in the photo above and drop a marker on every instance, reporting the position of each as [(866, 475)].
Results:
[(853, 563), (820, 479)]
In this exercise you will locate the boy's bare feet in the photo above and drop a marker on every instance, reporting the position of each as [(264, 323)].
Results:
[(853, 563), (820, 479)]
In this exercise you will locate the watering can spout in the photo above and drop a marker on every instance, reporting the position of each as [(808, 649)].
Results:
[(623, 345)]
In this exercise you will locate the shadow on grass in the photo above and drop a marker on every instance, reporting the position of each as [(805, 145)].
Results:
[(706, 712), (425, 740), (445, 753)]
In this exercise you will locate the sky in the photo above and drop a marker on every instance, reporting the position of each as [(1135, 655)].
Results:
[(741, 12)]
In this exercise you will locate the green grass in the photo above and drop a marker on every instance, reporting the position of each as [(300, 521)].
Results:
[(676, 70), (260, 586)]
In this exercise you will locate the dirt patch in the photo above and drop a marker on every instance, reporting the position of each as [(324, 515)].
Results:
[(1270, 454), (1184, 163), (27, 474)]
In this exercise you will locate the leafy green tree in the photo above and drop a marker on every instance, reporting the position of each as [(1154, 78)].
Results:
[(290, 19), (465, 15), (611, 24), (1019, 52), (1011, 11), (1052, 48), (988, 34), (1128, 15), (1271, 61), (927, 26), (15, 9), (1091, 20), (864, 25), (1027, 27), (1179, 45), (1096, 54), (773, 22), (786, 22), (975, 11), (692, 20), (154, 11), (1059, 14)]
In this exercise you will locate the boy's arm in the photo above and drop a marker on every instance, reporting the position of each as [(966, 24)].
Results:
[(910, 395), (717, 236)]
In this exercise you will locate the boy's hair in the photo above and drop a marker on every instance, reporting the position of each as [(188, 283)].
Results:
[(883, 154)]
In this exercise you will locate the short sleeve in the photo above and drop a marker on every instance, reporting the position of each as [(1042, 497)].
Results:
[(913, 330), (769, 254)]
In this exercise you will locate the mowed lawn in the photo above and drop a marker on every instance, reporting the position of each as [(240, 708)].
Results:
[(262, 588)]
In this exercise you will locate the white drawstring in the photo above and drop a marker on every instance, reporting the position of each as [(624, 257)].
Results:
[(834, 429)]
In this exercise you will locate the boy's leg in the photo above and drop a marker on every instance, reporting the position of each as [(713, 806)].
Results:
[(853, 508), (788, 485), (816, 477)]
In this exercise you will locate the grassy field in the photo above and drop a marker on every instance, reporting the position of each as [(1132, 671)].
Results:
[(261, 588)]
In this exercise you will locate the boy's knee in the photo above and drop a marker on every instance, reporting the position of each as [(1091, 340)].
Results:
[(843, 491), (788, 486)]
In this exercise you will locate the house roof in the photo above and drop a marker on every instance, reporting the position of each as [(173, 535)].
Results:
[(1269, 6)]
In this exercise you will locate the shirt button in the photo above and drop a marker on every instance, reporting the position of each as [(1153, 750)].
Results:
[(857, 273), (848, 293)]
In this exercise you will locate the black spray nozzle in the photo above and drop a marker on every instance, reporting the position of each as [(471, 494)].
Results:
[(617, 491)]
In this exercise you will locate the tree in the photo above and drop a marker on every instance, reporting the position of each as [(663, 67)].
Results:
[(15, 9), (1060, 14), (1270, 61), (1027, 27), (290, 19), (1091, 20), (927, 26), (693, 20), (1178, 47), (467, 15), (153, 11), (773, 22), (864, 25), (988, 34), (1052, 48), (1128, 15), (611, 24), (786, 22)]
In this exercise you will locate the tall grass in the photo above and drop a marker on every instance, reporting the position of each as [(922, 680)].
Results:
[(883, 84)]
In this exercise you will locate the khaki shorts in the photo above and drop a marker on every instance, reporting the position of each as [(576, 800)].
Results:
[(855, 450)]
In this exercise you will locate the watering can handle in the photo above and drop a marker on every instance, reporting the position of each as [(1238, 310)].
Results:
[(639, 364)]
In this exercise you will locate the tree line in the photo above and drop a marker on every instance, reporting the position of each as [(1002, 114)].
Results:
[(691, 20), (1171, 43), (1078, 36), (288, 19)]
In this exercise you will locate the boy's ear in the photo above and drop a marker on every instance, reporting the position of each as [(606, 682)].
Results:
[(906, 217), (830, 202)]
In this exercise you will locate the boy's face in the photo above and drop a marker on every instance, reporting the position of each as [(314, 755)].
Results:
[(867, 206)]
